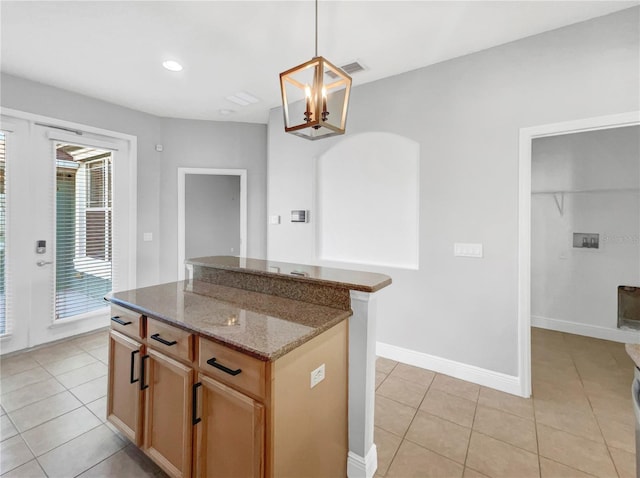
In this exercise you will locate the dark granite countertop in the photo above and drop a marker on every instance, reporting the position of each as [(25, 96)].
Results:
[(339, 278), (264, 326)]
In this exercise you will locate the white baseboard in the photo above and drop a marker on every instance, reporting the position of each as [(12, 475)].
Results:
[(362, 467), (595, 331), (488, 378)]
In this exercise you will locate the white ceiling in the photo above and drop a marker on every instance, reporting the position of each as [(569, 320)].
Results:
[(114, 50)]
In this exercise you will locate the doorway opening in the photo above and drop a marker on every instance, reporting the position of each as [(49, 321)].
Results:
[(527, 136), (212, 213)]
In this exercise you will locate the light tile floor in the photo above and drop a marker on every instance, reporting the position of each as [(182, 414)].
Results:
[(53, 415), (579, 422)]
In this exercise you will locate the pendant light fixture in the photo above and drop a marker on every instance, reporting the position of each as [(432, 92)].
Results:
[(315, 97)]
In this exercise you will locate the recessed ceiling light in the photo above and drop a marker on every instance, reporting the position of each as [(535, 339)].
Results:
[(225, 112), (172, 65)]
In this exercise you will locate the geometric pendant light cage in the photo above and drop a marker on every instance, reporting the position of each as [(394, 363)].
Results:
[(315, 97)]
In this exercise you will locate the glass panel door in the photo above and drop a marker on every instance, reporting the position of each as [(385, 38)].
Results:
[(67, 230)]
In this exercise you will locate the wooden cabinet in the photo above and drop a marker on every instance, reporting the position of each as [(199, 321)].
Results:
[(168, 427), (230, 429), (171, 341), (127, 322), (200, 408), (125, 398)]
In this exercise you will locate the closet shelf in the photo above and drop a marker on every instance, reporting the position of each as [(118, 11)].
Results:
[(558, 196), (587, 191)]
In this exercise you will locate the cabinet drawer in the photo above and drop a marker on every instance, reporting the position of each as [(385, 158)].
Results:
[(170, 340), (127, 322), (231, 367)]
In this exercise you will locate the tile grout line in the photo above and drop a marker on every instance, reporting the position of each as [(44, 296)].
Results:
[(473, 421), (580, 377), (606, 445)]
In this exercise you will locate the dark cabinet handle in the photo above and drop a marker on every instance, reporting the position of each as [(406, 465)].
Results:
[(118, 320), (133, 354), (194, 404), (142, 384), (157, 338), (212, 361)]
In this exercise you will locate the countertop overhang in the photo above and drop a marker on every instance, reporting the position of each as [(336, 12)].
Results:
[(262, 325), (327, 276)]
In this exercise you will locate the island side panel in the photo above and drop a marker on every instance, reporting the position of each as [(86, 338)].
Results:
[(310, 424)]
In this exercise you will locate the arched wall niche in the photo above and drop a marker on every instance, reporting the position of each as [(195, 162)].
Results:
[(368, 196)]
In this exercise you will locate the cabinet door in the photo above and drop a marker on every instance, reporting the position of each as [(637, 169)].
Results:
[(230, 434), (168, 428), (124, 396)]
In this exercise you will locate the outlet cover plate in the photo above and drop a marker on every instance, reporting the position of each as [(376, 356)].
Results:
[(317, 376)]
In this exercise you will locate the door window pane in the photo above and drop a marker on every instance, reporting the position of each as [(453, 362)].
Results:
[(83, 229)]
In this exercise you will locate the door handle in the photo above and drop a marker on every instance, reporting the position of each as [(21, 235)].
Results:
[(133, 354), (194, 404), (43, 263), (142, 384)]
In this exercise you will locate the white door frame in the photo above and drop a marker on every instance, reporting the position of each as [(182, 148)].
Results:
[(182, 173), (527, 135), (126, 201)]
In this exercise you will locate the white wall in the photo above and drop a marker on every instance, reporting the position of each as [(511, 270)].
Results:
[(206, 144), (36, 98), (366, 181), (574, 288), (465, 114), (211, 144), (212, 215)]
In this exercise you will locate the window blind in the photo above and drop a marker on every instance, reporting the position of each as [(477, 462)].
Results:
[(83, 229), (5, 323)]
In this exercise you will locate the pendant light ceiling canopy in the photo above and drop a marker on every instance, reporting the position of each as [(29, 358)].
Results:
[(315, 97)]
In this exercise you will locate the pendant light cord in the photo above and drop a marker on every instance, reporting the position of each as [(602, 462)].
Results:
[(316, 27)]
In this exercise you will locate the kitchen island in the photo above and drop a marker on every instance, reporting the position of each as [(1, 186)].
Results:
[(248, 368)]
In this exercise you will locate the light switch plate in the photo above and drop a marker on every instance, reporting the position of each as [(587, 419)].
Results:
[(147, 236), (467, 250), (274, 219)]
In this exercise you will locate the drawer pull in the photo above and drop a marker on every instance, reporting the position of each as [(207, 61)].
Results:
[(133, 354), (142, 384), (118, 320), (157, 338), (195, 419), (212, 361)]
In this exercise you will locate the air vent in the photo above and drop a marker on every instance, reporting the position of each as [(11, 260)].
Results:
[(349, 69)]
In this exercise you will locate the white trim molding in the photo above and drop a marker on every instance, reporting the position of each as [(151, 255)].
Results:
[(596, 331), (358, 466), (527, 135), (182, 172), (470, 373)]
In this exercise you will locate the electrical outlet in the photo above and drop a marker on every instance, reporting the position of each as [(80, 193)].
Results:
[(317, 376)]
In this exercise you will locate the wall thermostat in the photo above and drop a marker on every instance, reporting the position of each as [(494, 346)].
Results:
[(300, 216), (41, 247)]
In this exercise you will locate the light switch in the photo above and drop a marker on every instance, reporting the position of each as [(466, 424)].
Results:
[(147, 236), (467, 250), (274, 219)]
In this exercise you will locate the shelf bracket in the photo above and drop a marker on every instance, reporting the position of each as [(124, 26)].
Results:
[(559, 199)]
